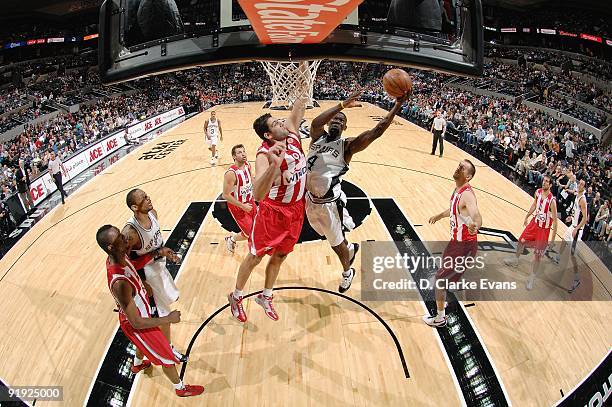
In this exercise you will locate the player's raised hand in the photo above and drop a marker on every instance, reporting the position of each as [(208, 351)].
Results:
[(174, 317), (276, 154), (403, 99), (351, 101)]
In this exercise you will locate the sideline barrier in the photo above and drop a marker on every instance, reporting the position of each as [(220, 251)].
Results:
[(43, 186)]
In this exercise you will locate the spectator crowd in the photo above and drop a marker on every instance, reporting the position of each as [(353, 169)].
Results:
[(522, 143)]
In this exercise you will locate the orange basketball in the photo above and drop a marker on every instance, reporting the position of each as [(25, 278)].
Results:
[(397, 83)]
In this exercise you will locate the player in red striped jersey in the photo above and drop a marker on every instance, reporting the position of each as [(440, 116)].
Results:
[(279, 187), (537, 231), (135, 312), (238, 192), (465, 220)]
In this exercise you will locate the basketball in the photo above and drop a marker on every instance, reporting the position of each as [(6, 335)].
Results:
[(397, 83)]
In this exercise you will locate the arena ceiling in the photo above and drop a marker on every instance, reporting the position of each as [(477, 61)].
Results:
[(59, 8)]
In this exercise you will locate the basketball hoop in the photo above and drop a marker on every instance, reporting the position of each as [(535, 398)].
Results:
[(290, 81)]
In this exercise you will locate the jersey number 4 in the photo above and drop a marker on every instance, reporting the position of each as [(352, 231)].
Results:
[(311, 161)]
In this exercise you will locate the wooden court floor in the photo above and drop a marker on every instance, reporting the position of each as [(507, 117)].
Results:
[(56, 311)]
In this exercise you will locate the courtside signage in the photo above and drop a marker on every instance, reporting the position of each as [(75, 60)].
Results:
[(43, 186), (296, 21), (139, 129)]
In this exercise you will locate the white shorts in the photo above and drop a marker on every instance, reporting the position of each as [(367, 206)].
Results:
[(211, 140), (568, 234), (325, 219), (569, 238), (162, 284)]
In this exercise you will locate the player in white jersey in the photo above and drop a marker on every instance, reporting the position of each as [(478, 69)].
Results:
[(214, 133), (579, 217), (144, 237), (326, 163)]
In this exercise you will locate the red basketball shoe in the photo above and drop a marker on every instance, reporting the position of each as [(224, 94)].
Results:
[(236, 308), (190, 390), (266, 303)]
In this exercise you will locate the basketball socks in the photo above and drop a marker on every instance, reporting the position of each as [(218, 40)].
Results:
[(137, 361), (346, 273), (179, 385), (233, 237), (237, 294), (267, 292), (441, 315)]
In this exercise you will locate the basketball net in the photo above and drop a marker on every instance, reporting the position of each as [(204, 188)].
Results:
[(290, 81)]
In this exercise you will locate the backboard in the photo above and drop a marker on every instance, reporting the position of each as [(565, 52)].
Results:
[(144, 37)]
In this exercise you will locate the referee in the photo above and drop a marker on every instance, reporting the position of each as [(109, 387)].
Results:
[(438, 128), (56, 167)]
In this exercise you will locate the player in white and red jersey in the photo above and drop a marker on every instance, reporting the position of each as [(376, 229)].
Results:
[(465, 220), (279, 187), (238, 192), (135, 312), (537, 231)]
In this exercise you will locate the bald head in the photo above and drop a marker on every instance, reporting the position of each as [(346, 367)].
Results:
[(105, 237), (472, 168), (132, 197)]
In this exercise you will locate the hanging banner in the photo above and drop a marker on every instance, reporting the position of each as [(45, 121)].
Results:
[(297, 21)]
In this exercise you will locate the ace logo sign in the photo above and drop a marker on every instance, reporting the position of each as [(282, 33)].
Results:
[(161, 150)]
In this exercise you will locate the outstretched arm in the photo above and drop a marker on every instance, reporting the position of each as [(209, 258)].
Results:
[(361, 142), (443, 214), (318, 123), (469, 200)]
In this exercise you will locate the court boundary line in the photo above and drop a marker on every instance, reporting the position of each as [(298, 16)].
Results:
[(382, 321), (438, 332), (436, 335), (128, 403)]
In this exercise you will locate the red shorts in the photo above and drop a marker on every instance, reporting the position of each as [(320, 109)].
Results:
[(536, 237), (242, 218), (151, 342), (276, 227), (452, 268)]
